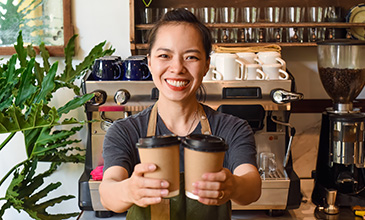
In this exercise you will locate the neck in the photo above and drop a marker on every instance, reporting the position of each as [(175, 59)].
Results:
[(180, 119)]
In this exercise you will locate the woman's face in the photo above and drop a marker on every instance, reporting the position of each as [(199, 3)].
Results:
[(178, 61)]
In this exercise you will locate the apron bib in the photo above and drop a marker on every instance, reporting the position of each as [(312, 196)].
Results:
[(180, 207)]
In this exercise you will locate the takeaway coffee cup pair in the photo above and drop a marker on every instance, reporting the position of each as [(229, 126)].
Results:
[(203, 154)]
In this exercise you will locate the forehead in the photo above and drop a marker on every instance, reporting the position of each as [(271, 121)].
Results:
[(178, 34)]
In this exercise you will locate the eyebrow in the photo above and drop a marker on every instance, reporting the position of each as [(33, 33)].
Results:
[(187, 51)]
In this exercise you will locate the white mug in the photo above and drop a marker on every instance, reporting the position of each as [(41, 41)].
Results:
[(247, 57), (212, 59), (274, 72), (270, 57), (252, 72), (229, 66), (210, 75)]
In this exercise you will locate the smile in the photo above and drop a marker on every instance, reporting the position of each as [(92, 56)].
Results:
[(177, 83)]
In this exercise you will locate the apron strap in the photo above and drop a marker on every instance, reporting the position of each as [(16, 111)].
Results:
[(204, 121), (151, 129)]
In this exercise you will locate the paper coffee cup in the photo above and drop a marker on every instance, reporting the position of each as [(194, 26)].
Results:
[(164, 152), (203, 154)]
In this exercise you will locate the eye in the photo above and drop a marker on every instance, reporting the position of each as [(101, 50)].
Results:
[(192, 57), (164, 56)]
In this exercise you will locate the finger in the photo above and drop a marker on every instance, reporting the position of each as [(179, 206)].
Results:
[(208, 201), (219, 176), (205, 185), (144, 182), (142, 168), (209, 194), (153, 193), (146, 201)]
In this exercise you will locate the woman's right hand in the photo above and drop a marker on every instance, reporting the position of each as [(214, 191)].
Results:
[(144, 191)]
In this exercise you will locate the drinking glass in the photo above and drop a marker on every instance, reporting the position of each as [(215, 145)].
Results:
[(228, 15), (273, 15), (316, 14), (335, 14), (267, 164), (248, 15), (294, 15), (149, 15), (208, 15)]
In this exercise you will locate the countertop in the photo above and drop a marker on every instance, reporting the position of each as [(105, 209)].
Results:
[(306, 211)]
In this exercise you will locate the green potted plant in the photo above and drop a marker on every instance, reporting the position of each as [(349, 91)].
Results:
[(26, 89)]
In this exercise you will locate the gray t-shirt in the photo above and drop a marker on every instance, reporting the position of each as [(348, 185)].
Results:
[(120, 140)]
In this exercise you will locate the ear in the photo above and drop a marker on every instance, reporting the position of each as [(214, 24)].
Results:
[(207, 65), (149, 61)]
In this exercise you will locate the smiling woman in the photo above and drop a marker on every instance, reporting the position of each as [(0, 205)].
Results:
[(46, 21)]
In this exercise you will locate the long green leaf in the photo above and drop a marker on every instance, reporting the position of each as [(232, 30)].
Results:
[(74, 103), (20, 193), (26, 87), (13, 119), (69, 53), (21, 51), (47, 84), (8, 83)]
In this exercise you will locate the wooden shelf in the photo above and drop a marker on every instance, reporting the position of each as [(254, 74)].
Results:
[(240, 44), (136, 28), (274, 25)]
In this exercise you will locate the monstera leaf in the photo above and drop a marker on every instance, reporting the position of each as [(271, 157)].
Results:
[(21, 193), (26, 91)]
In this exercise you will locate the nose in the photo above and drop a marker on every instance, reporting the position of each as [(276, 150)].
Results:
[(177, 66)]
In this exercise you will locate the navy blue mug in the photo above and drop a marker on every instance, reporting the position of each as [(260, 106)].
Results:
[(135, 68), (107, 68)]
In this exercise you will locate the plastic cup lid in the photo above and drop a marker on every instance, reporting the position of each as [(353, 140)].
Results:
[(206, 143), (158, 141)]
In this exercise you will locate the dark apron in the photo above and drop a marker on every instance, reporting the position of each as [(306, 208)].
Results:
[(180, 207)]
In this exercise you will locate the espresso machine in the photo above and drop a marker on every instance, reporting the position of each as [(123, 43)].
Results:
[(265, 104), (340, 170)]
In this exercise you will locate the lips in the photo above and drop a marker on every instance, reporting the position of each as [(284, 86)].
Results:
[(177, 85)]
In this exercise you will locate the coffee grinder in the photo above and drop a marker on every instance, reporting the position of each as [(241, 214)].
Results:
[(340, 170)]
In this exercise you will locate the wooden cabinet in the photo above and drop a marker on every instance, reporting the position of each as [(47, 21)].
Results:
[(137, 29)]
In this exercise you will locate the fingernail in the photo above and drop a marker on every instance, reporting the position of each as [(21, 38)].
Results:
[(151, 167), (195, 184), (164, 192), (164, 184)]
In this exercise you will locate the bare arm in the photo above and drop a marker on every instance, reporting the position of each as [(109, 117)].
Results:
[(118, 192), (243, 187)]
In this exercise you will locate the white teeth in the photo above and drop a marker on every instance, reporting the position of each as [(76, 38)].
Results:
[(177, 83)]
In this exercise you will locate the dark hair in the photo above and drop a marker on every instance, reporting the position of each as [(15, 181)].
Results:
[(181, 15)]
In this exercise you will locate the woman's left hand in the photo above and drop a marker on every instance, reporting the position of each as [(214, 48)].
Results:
[(215, 188)]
